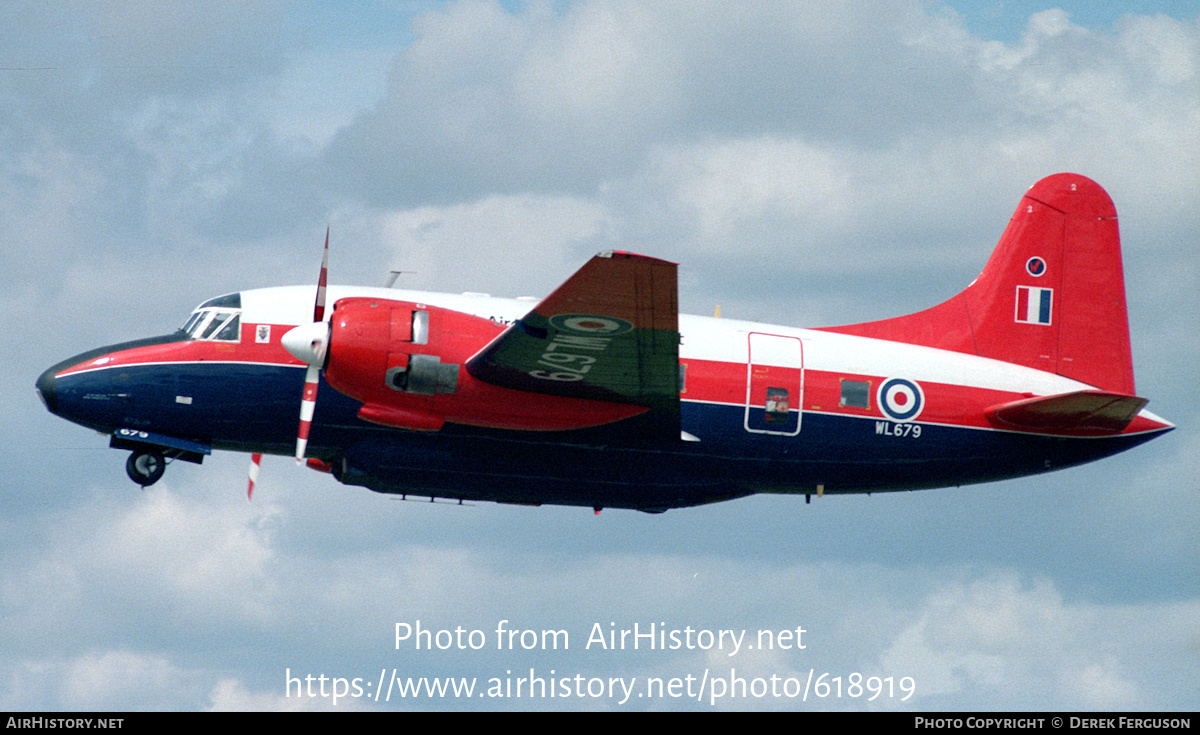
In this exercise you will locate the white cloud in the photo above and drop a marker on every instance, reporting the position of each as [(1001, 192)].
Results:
[(97, 679), (1024, 644), (527, 244), (106, 679), (1165, 45), (231, 695), (734, 187), (190, 562), (839, 178), (185, 572)]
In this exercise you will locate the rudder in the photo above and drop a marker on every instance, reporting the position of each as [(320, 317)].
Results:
[(1051, 297)]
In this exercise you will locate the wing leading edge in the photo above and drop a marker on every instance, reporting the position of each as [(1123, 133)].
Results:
[(609, 333)]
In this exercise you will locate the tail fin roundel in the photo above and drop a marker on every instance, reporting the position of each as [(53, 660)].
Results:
[(1051, 297)]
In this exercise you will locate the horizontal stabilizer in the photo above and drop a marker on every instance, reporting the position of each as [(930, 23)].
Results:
[(1085, 412)]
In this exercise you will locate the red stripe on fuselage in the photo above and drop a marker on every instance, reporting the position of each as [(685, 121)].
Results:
[(244, 351), (707, 381)]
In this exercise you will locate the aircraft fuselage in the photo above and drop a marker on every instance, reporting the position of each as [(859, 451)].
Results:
[(602, 395), (763, 409)]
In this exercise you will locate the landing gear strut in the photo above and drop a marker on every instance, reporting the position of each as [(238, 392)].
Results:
[(145, 467)]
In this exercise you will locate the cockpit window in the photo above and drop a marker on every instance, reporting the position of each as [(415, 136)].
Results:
[(216, 320), (210, 328), (191, 322), (219, 324), (229, 332)]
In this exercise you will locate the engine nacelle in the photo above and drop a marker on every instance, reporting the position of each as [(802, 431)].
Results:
[(404, 361)]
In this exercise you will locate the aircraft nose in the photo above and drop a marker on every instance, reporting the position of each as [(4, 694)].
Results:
[(48, 390), (308, 342)]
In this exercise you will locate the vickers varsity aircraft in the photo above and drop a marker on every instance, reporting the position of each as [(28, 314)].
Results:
[(602, 395)]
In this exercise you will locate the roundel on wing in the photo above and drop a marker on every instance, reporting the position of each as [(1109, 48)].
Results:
[(591, 324), (900, 399)]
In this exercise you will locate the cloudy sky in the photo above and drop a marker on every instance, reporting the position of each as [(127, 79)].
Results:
[(807, 163)]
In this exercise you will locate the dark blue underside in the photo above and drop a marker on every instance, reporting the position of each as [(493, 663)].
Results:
[(255, 408)]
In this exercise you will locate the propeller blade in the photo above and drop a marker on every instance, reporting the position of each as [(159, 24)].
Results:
[(308, 343), (255, 462), (307, 404), (319, 307)]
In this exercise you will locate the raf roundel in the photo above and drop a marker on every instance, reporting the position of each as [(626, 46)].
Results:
[(900, 399), (602, 326)]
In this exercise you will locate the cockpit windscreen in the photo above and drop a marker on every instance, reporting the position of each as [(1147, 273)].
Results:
[(217, 320)]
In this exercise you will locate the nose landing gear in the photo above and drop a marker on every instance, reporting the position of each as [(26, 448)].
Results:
[(145, 467), (152, 452)]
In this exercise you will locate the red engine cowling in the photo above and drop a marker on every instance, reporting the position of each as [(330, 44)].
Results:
[(404, 361)]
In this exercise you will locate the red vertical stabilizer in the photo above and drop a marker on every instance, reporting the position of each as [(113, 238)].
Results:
[(1052, 296)]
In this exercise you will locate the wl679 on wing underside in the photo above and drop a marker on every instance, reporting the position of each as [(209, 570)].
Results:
[(602, 395)]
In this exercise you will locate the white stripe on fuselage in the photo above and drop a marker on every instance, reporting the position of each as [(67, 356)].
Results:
[(717, 340), (294, 304)]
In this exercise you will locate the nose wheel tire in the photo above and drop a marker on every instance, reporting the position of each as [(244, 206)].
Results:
[(145, 468)]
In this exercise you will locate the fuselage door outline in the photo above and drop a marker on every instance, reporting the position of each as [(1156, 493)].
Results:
[(774, 384)]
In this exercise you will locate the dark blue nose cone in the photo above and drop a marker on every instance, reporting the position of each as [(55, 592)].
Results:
[(90, 397), (47, 389)]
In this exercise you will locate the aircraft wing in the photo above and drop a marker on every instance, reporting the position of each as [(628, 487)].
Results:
[(610, 333)]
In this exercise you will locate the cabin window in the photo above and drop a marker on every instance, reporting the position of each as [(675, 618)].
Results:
[(856, 393), (778, 405)]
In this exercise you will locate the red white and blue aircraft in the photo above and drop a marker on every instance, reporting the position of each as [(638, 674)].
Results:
[(603, 395)]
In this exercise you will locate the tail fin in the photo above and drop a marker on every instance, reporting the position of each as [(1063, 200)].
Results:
[(1052, 296)]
